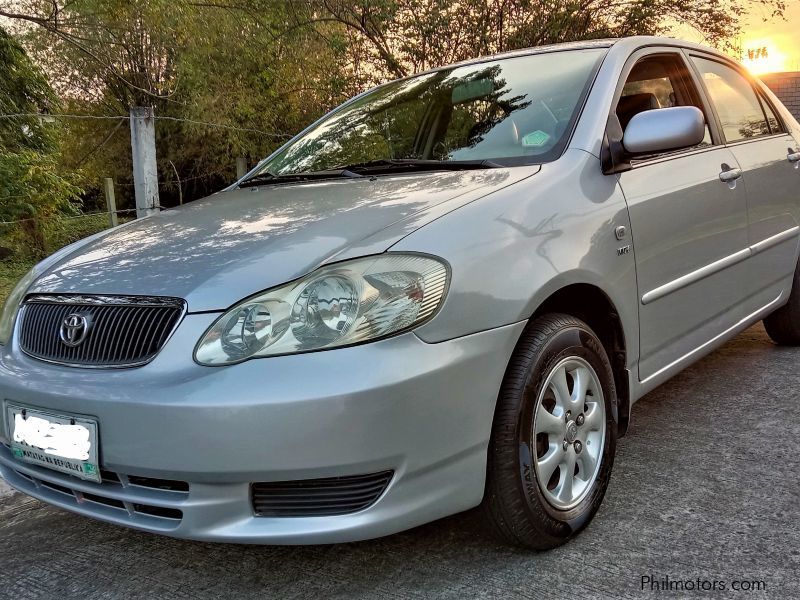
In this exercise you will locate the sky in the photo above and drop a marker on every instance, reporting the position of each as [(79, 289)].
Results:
[(781, 38)]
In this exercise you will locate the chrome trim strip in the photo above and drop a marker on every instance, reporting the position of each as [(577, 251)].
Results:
[(695, 276), (751, 318), (156, 301), (760, 138), (719, 265), (775, 240)]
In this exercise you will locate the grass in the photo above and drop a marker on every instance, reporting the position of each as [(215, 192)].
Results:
[(10, 273)]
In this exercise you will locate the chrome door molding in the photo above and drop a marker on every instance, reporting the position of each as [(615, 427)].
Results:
[(774, 240), (695, 276), (717, 266), (753, 140), (687, 358)]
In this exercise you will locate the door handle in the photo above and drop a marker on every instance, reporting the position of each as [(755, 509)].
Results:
[(729, 174)]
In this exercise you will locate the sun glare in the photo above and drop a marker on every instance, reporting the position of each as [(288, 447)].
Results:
[(762, 56)]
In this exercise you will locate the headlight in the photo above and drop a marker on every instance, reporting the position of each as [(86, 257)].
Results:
[(12, 305), (337, 305)]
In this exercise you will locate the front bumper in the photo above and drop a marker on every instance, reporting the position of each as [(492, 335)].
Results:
[(421, 410)]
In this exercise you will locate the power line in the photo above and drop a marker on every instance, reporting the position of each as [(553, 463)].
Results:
[(172, 181), (94, 214), (48, 115), (222, 126), (157, 117), (72, 217)]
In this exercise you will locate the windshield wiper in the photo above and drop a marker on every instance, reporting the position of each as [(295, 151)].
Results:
[(267, 177), (372, 167), (391, 165)]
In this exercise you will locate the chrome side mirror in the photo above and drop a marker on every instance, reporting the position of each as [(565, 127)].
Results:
[(664, 129)]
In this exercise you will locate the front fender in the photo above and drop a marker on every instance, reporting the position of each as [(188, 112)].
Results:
[(513, 249)]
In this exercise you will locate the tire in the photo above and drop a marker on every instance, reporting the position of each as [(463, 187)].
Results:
[(519, 505), (783, 326)]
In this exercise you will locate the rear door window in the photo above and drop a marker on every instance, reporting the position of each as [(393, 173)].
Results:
[(735, 100), (772, 119)]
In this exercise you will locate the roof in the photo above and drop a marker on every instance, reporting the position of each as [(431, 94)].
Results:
[(582, 45), (632, 42)]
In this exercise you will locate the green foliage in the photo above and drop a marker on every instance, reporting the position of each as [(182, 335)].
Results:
[(62, 232), (56, 234), (246, 67), (263, 69), (32, 194), (31, 189), (23, 89)]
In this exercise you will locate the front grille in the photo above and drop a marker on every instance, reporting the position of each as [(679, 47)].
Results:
[(319, 497), (126, 508), (159, 484), (97, 331)]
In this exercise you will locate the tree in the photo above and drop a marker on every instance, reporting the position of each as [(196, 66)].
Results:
[(31, 188), (242, 66), (400, 37), (260, 70)]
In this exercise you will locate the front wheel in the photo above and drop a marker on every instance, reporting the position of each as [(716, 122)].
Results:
[(554, 435)]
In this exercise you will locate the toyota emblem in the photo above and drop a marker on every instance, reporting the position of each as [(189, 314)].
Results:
[(74, 329)]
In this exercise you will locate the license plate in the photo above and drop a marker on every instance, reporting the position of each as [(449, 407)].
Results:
[(59, 442)]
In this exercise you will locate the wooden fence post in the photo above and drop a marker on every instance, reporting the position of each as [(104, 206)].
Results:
[(111, 202), (241, 167)]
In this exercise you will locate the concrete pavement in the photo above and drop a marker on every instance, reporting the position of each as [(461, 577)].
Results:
[(706, 485)]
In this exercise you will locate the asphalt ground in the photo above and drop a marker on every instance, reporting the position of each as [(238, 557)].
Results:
[(705, 489)]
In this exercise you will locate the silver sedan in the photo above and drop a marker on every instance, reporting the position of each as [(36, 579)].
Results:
[(448, 292)]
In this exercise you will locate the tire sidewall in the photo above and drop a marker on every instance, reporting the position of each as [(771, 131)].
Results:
[(573, 341)]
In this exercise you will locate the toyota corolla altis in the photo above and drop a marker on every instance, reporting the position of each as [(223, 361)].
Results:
[(447, 292)]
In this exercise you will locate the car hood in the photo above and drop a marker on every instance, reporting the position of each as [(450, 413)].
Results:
[(216, 251)]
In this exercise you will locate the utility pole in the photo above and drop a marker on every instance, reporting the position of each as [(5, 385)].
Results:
[(143, 149)]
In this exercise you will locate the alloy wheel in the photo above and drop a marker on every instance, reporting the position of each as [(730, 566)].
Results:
[(569, 427)]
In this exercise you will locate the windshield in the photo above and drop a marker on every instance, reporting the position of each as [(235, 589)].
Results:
[(512, 111)]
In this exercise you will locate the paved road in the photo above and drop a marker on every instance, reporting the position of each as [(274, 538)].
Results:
[(706, 484)]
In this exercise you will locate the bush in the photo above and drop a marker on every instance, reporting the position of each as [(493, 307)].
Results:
[(32, 191), (62, 232)]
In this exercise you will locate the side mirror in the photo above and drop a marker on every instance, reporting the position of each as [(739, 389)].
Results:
[(664, 129)]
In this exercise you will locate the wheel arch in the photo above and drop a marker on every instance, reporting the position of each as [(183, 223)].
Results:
[(592, 305)]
